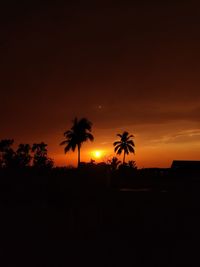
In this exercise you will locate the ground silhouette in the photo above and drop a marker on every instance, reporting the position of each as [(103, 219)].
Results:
[(75, 217), (100, 214)]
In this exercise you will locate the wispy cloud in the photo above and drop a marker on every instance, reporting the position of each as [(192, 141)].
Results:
[(190, 135)]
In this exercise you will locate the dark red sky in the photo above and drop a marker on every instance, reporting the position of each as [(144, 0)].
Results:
[(139, 61)]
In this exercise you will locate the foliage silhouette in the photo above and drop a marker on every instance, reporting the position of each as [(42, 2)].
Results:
[(40, 158), (7, 154), (23, 157), (5, 144), (125, 145), (80, 132), (132, 164), (114, 163)]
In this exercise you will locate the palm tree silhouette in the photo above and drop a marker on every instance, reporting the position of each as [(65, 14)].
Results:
[(125, 144), (114, 163), (80, 132)]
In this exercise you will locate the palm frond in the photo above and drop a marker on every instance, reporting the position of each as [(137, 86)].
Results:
[(89, 136), (116, 143), (130, 149), (68, 134), (130, 142), (117, 147), (125, 134), (64, 142), (73, 145), (85, 123), (68, 148), (119, 151), (130, 136), (126, 150)]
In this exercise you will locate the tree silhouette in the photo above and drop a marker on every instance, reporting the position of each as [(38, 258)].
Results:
[(114, 163), (23, 156), (40, 158), (7, 154), (125, 145), (80, 132), (132, 164)]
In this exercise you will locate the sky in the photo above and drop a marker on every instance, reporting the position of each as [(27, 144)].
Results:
[(125, 65)]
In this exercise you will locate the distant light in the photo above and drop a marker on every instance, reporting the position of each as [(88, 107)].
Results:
[(97, 154)]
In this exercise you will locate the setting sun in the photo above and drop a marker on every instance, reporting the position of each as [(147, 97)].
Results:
[(97, 154)]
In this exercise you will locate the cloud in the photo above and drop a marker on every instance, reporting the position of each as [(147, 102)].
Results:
[(139, 114), (181, 137)]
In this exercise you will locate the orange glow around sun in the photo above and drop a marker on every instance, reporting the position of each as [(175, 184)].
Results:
[(97, 154)]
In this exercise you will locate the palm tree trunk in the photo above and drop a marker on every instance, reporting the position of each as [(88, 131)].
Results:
[(124, 158), (79, 155)]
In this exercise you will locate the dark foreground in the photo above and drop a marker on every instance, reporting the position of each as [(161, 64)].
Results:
[(46, 224)]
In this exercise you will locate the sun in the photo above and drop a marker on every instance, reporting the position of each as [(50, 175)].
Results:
[(97, 154)]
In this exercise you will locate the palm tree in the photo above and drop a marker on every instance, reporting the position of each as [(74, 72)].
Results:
[(125, 144), (114, 163), (80, 132)]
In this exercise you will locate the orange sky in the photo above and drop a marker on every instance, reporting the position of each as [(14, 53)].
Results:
[(155, 145), (129, 65)]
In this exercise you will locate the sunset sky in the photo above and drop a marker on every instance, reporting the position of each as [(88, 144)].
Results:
[(125, 65)]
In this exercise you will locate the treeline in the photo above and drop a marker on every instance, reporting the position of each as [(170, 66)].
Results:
[(80, 132), (25, 155), (36, 155)]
